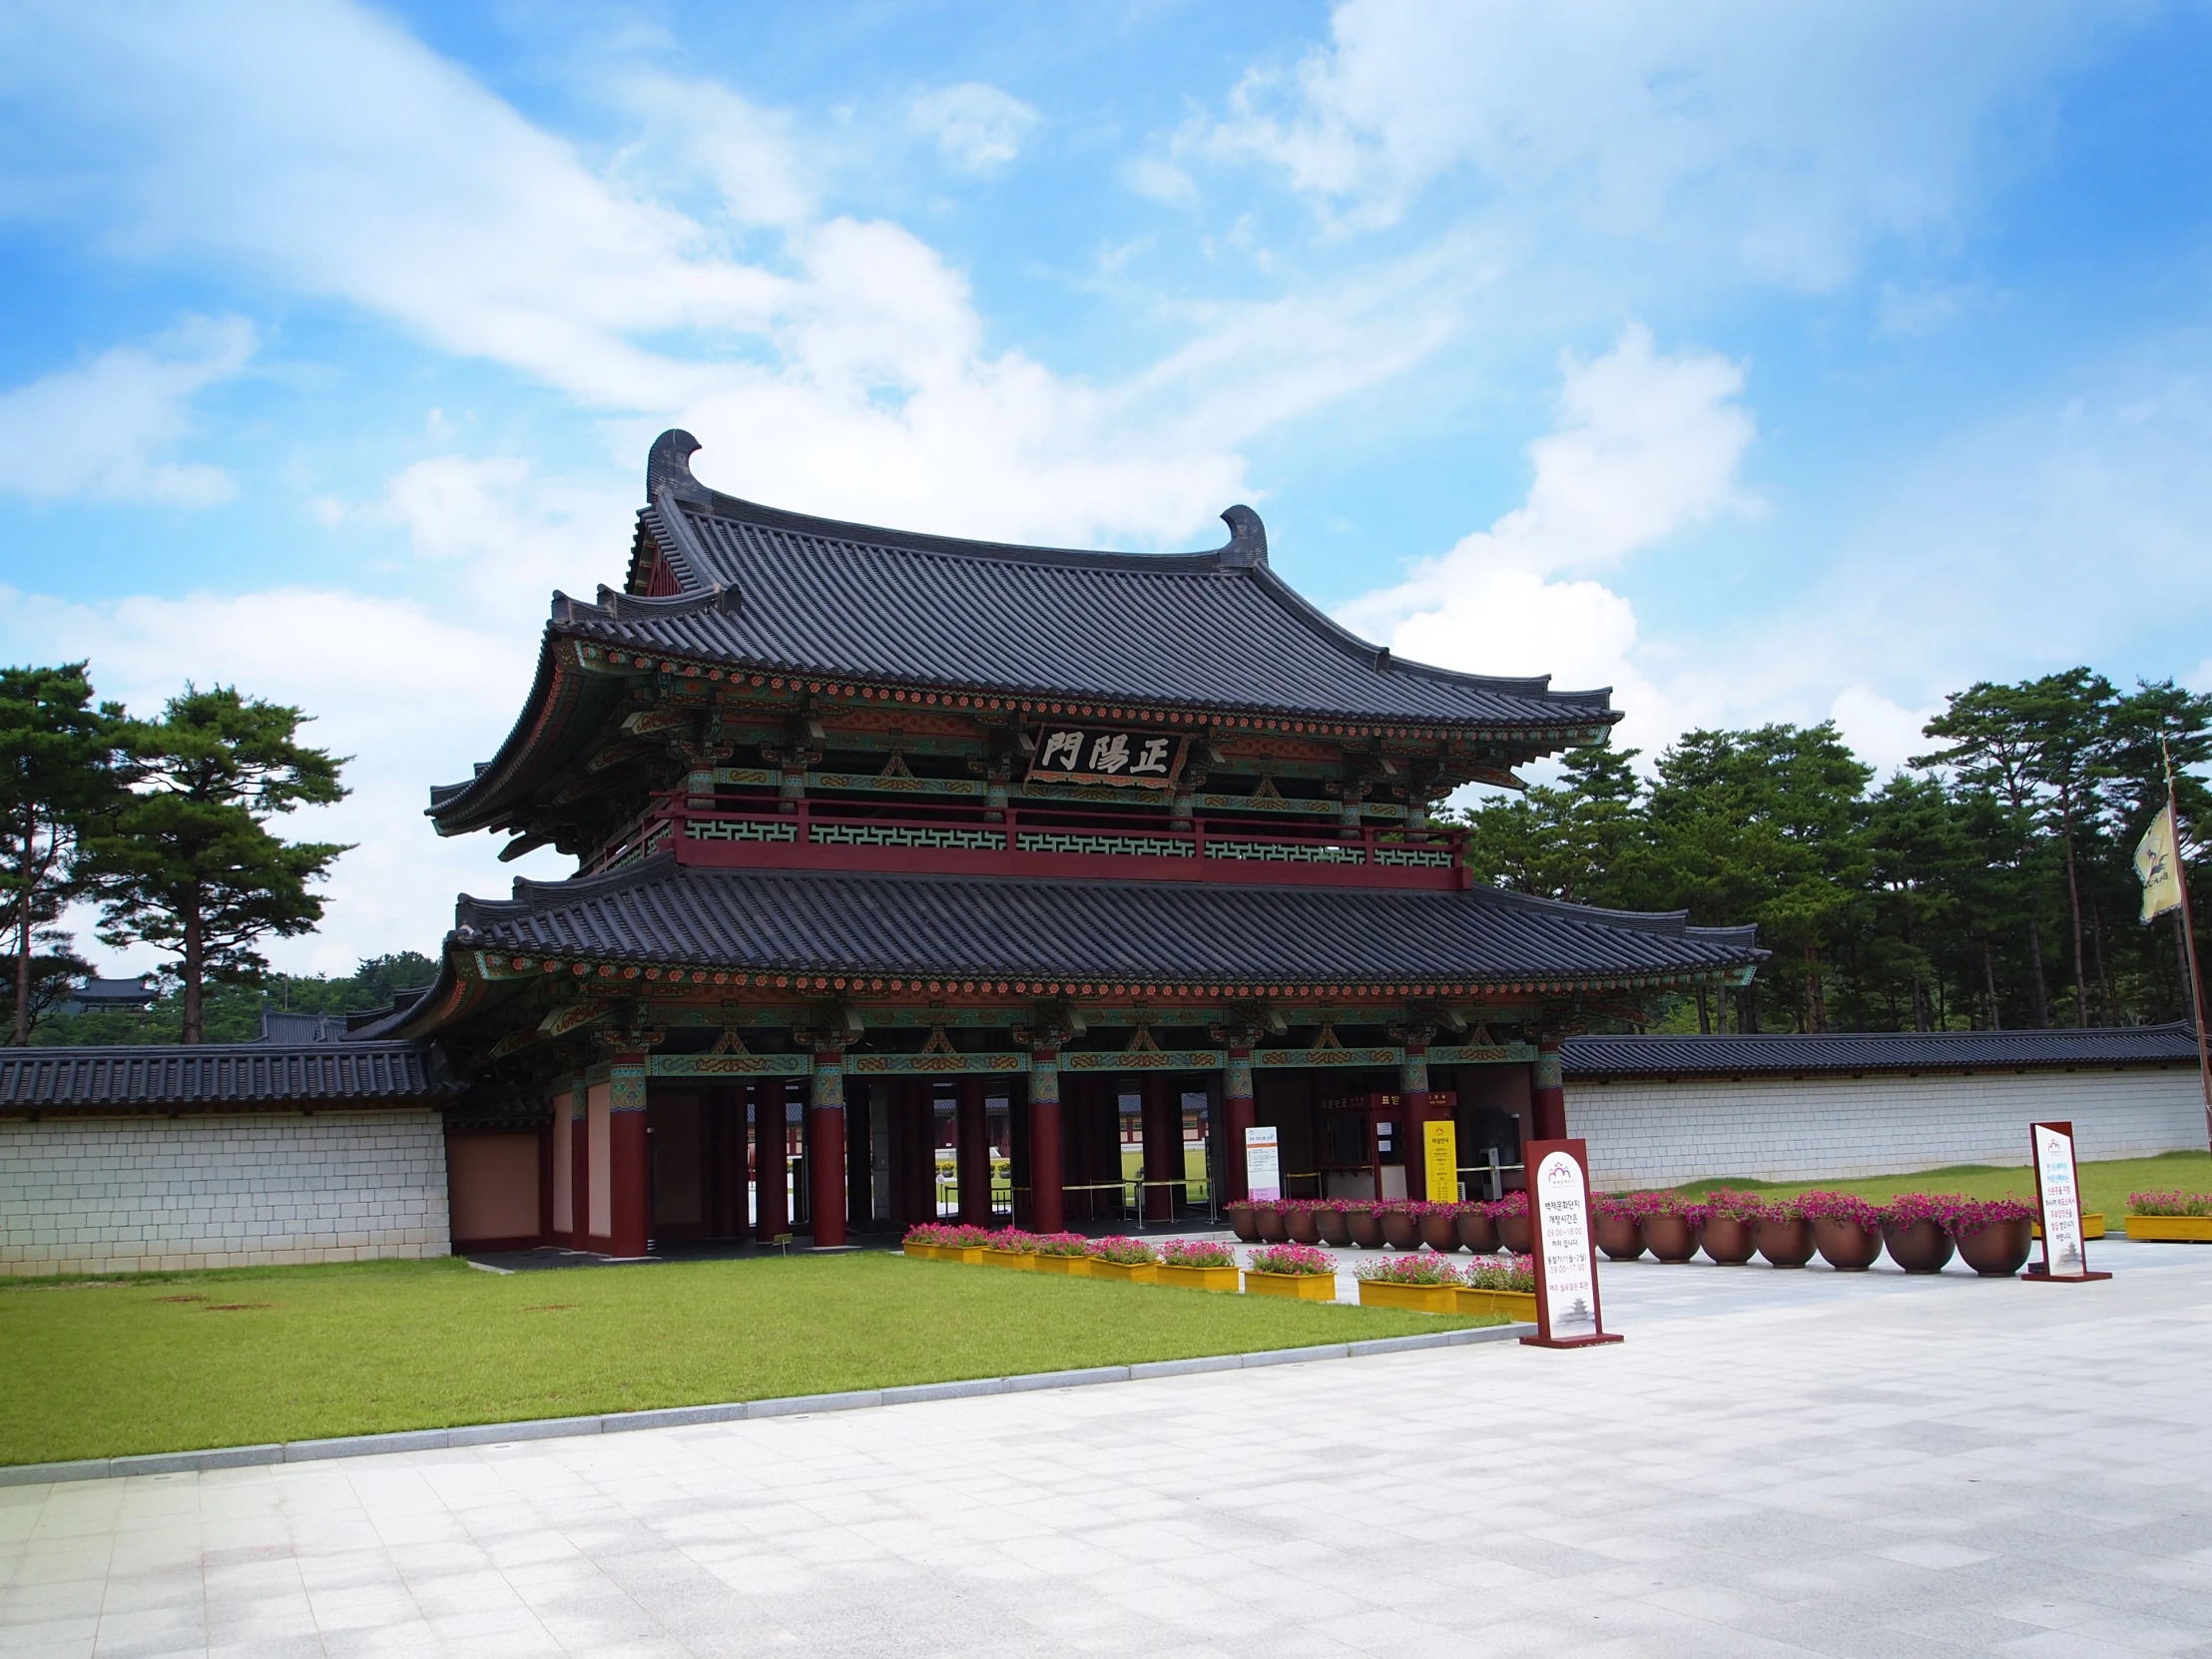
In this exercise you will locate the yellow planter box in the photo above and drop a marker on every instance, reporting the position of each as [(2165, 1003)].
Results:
[(1075, 1267), (2171, 1229), (1415, 1298), (2092, 1225), (1514, 1305), (1025, 1261), (1198, 1279), (922, 1252), (1292, 1287), (1129, 1273)]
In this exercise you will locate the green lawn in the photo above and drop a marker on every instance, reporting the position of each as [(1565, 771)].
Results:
[(101, 1367), (2103, 1186)]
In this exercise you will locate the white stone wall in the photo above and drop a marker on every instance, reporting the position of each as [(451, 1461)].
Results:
[(1649, 1132), (121, 1195)]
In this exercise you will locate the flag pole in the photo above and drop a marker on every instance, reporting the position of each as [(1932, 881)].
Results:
[(2189, 942)]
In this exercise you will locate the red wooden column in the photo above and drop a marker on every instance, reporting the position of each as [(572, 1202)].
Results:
[(1412, 1094), (972, 1150), (770, 1201), (1238, 1115), (825, 1169), (1547, 1092), (918, 1102), (579, 1165), (1163, 1146), (1047, 1199), (630, 1182)]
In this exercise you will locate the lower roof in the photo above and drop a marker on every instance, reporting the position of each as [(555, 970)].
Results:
[(1592, 1059), (199, 1076), (868, 922)]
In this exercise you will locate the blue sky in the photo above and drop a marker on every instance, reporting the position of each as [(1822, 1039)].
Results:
[(1763, 362)]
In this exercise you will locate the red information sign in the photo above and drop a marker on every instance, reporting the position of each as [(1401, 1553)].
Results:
[(1567, 1313), (2058, 1199)]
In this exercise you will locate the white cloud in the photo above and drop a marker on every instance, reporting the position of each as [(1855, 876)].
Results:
[(746, 151), (1789, 134), (1647, 445), (1160, 181), (101, 431), (978, 126)]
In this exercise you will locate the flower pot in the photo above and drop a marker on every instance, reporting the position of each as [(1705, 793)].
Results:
[(1302, 1226), (1415, 1298), (1918, 1247), (1242, 1224), (1999, 1250), (1401, 1229), (1439, 1230), (1073, 1267), (923, 1251), (1292, 1287), (1477, 1230), (1669, 1237), (1845, 1245), (1514, 1234), (1268, 1221), (1023, 1261), (1366, 1228), (1728, 1240), (972, 1254), (1331, 1222), (2171, 1229), (1514, 1305), (1620, 1237), (1197, 1278), (1129, 1273), (1785, 1243)]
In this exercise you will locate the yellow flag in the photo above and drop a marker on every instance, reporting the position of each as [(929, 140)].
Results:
[(2157, 861)]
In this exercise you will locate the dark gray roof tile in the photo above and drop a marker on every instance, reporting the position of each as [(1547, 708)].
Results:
[(1594, 1057)]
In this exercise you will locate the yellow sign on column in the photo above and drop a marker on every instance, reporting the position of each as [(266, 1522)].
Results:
[(1443, 1160)]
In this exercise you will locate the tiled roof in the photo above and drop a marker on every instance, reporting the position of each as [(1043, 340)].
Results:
[(1591, 1059), (213, 1074), (659, 911), (1219, 629)]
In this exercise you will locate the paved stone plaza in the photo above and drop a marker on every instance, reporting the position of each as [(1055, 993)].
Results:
[(1773, 1464)]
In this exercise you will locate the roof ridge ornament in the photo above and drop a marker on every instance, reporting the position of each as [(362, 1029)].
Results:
[(1248, 539), (668, 466)]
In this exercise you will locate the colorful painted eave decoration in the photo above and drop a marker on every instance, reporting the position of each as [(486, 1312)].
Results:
[(591, 658), (492, 967)]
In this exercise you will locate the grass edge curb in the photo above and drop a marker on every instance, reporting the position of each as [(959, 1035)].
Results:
[(677, 1416)]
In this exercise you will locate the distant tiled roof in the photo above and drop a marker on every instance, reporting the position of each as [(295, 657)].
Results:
[(896, 923), (1596, 1057), (114, 993), (173, 1076)]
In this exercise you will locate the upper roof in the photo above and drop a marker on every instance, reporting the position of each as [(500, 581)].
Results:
[(1593, 1058), (215, 1075), (791, 921), (1220, 628)]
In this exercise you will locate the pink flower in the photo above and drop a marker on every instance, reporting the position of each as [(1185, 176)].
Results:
[(1838, 1207), (1131, 1251), (1197, 1253), (1296, 1259)]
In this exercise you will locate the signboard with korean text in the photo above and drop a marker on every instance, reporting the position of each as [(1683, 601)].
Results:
[(1091, 755), (1568, 1310), (1263, 1164), (2058, 1194), (1440, 1144)]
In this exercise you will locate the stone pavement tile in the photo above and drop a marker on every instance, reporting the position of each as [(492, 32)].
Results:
[(268, 1647), (1934, 1553), (2141, 1632)]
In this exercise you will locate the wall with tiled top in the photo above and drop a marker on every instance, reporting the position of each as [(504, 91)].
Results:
[(123, 1195), (1648, 1132)]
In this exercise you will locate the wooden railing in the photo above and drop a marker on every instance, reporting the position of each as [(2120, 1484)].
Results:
[(1039, 840)]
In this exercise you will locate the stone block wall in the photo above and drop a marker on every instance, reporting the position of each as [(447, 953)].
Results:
[(120, 1195), (1652, 1132)]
